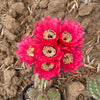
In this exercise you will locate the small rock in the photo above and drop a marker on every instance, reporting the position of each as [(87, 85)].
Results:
[(74, 90), (8, 61), (3, 6), (56, 5), (85, 23), (30, 19), (9, 35), (11, 91), (8, 75), (43, 3), (11, 24), (60, 15), (17, 8), (2, 91), (46, 13), (11, 83), (2, 55), (15, 81), (85, 9), (4, 46)]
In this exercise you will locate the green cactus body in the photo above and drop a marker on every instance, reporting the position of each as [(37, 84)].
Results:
[(42, 97), (94, 87), (32, 94), (54, 94)]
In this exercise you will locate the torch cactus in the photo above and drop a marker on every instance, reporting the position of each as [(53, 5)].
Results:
[(93, 86)]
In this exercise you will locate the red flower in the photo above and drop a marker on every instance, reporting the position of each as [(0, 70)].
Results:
[(48, 29), (72, 33), (26, 50), (48, 51), (72, 59), (47, 70)]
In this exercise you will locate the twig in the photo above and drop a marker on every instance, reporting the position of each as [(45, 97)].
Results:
[(88, 66), (92, 61), (98, 68), (88, 59), (2, 33), (62, 78), (2, 66), (88, 42), (84, 59), (89, 50), (16, 63), (98, 38), (9, 67), (92, 41)]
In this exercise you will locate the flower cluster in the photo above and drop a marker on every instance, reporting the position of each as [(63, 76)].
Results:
[(55, 45)]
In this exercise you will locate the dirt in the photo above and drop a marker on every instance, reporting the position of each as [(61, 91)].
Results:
[(17, 18)]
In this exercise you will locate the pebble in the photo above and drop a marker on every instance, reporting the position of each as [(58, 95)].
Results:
[(85, 9)]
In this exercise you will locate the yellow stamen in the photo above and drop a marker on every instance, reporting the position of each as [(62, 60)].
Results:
[(47, 67), (30, 51), (68, 58), (49, 51), (66, 37), (49, 34)]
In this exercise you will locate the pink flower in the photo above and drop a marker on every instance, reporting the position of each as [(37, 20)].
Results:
[(47, 70), (48, 29), (72, 59), (55, 45), (48, 51), (26, 50), (72, 33)]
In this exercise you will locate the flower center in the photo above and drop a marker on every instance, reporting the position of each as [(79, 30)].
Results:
[(49, 51), (47, 67), (49, 34), (68, 58), (67, 37), (30, 51)]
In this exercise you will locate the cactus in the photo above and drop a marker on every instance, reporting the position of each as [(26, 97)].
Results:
[(32, 94), (42, 97), (54, 94), (93, 86)]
